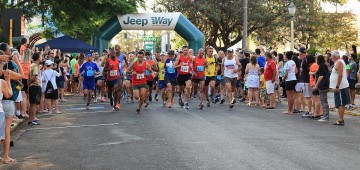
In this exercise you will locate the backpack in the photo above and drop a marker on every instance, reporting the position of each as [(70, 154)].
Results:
[(49, 87)]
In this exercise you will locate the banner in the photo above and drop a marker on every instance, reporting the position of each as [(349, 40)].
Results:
[(149, 21)]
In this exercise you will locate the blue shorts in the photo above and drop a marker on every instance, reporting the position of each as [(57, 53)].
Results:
[(9, 107), (161, 84), (2, 125), (88, 84), (342, 98)]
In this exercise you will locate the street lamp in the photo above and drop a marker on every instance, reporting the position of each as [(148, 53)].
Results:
[(292, 10)]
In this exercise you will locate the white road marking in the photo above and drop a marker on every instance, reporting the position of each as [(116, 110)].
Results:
[(64, 127)]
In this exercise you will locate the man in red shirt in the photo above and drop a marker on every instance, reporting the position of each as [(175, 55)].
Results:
[(270, 78)]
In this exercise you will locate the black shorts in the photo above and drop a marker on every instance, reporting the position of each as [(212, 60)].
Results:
[(197, 81), (150, 83), (25, 83), (172, 81), (76, 79), (316, 92), (99, 78), (352, 83), (111, 84), (182, 79), (209, 79), (290, 85), (53, 96), (34, 94)]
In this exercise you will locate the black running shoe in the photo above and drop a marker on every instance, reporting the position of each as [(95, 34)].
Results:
[(222, 101), (138, 111), (181, 103)]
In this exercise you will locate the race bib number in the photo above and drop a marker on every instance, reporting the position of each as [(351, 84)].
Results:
[(147, 72), (184, 68), (113, 73), (200, 68), (230, 67), (170, 70), (140, 76), (90, 73)]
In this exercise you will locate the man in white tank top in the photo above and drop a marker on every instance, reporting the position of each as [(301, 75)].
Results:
[(338, 82), (230, 70)]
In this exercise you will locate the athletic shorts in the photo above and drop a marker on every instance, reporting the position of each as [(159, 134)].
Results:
[(60, 84), (316, 92), (25, 83), (53, 96), (161, 84), (19, 98), (290, 85), (232, 81), (304, 88), (99, 78), (150, 83), (172, 81), (139, 86), (240, 83), (34, 94), (209, 79), (197, 81), (88, 84), (182, 79), (270, 87), (352, 83), (342, 98), (76, 79), (111, 84)]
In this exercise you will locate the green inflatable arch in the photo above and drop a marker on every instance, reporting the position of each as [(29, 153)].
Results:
[(149, 21)]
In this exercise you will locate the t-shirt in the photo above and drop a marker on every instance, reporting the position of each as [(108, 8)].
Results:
[(269, 70), (72, 65), (25, 68), (304, 74), (353, 71), (101, 69), (50, 75), (262, 80), (35, 70), (313, 68), (291, 66), (89, 70), (244, 62), (211, 66), (161, 66), (323, 71), (261, 61), (170, 71)]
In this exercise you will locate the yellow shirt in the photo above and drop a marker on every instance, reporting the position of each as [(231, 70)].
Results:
[(161, 66), (262, 80), (211, 66)]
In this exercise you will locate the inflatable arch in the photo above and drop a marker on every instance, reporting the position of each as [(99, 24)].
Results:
[(149, 21)]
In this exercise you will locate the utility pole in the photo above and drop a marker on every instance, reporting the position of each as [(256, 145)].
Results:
[(245, 24)]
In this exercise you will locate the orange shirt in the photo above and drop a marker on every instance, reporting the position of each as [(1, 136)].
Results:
[(76, 66), (25, 68), (313, 68), (22, 48)]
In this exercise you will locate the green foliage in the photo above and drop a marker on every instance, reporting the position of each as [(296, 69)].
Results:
[(177, 41), (312, 51)]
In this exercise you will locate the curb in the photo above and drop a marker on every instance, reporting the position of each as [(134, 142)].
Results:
[(14, 128), (352, 113)]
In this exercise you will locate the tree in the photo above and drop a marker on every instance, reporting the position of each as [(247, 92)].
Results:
[(221, 21)]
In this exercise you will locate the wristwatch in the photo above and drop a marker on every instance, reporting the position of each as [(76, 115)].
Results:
[(337, 87)]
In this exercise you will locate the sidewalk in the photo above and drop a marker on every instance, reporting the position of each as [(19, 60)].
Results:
[(354, 112)]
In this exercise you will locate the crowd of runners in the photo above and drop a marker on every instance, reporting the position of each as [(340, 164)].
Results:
[(34, 81)]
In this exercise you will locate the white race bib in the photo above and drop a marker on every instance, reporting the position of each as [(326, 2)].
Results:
[(140, 76), (184, 68), (113, 73)]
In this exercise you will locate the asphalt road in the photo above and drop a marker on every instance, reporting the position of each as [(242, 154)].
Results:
[(161, 138)]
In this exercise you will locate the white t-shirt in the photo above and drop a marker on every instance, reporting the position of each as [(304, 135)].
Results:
[(291, 66), (49, 75)]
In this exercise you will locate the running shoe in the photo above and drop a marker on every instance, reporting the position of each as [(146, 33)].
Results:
[(146, 104), (208, 104), (87, 107), (164, 103), (150, 98), (324, 120), (222, 101), (132, 99), (170, 104), (138, 111), (186, 106), (201, 106), (307, 115), (156, 99), (118, 106), (217, 100), (231, 106), (95, 100), (103, 99), (33, 123), (181, 103)]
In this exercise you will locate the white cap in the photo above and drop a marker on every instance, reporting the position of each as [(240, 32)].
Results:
[(48, 62)]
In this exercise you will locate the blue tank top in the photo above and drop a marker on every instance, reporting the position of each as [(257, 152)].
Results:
[(170, 71)]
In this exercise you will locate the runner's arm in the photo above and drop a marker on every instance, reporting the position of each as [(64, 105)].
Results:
[(177, 64), (222, 66)]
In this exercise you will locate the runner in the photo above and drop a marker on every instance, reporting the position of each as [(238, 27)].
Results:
[(99, 79), (210, 73), (161, 82), (139, 83), (220, 82), (88, 71), (184, 78), (112, 80), (170, 77), (230, 68), (149, 78), (120, 57), (158, 59), (128, 79), (199, 64)]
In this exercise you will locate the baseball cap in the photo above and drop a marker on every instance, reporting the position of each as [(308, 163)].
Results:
[(88, 55), (105, 51), (302, 50), (230, 50), (246, 51), (48, 62), (163, 54)]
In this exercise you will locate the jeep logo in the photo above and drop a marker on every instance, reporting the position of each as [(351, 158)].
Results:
[(141, 22)]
